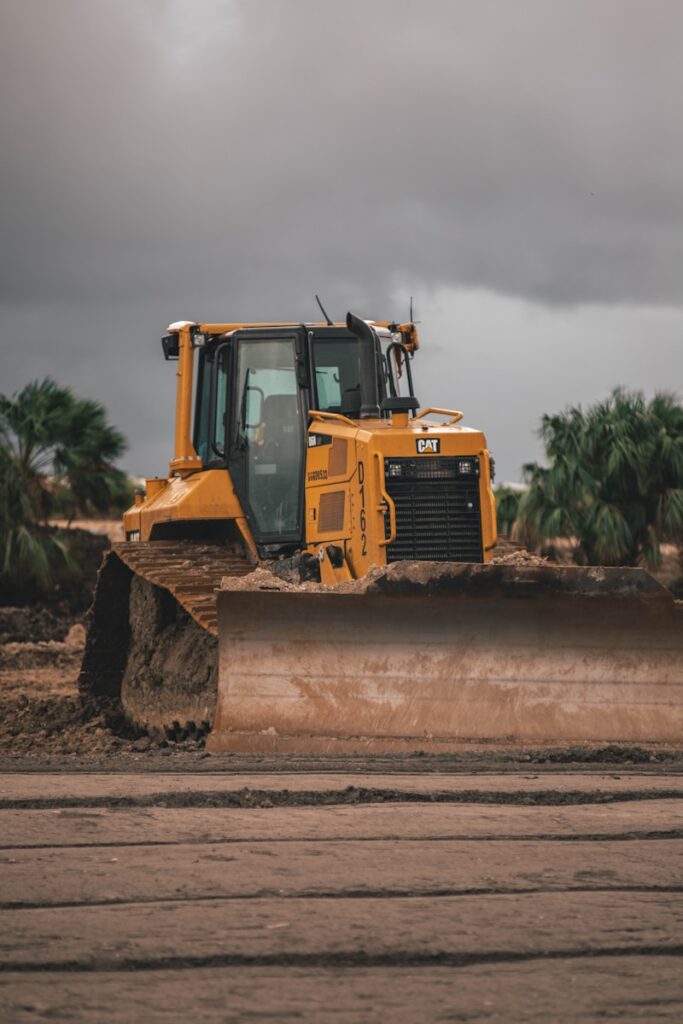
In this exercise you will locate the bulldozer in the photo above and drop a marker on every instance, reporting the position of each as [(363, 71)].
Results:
[(315, 574)]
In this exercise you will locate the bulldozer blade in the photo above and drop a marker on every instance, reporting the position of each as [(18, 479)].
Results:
[(426, 656)]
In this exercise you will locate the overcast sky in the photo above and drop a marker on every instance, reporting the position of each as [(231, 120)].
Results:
[(516, 166)]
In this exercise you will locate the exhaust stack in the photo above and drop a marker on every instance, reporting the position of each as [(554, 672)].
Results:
[(369, 386)]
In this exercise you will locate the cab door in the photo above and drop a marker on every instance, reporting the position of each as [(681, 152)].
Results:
[(268, 450)]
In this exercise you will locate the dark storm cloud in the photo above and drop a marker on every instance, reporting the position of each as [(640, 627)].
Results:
[(260, 147), (217, 159)]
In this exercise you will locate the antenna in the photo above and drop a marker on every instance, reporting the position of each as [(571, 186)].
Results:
[(411, 310), (322, 310)]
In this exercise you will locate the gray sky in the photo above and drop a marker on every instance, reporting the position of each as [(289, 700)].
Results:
[(516, 166)]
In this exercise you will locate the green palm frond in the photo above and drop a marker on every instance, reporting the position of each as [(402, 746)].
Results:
[(46, 431), (613, 479), (669, 519)]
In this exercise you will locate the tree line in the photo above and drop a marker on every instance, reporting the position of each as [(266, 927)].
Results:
[(612, 485), (57, 455)]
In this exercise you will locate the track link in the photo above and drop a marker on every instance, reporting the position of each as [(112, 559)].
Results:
[(189, 570), (151, 646)]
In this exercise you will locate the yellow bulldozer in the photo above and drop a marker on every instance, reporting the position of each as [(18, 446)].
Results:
[(381, 623)]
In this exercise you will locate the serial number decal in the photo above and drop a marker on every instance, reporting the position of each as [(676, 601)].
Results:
[(363, 519), (428, 445), (317, 474), (317, 440)]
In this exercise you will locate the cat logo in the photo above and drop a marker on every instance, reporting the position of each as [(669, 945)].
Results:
[(428, 445)]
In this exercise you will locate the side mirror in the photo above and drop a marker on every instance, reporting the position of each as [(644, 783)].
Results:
[(171, 346)]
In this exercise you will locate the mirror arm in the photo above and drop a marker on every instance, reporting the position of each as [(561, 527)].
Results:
[(406, 362)]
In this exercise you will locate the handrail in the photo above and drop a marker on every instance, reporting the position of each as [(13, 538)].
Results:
[(317, 415), (456, 416), (389, 502)]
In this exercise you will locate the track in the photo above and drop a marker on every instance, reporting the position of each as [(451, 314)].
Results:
[(188, 570), (151, 642)]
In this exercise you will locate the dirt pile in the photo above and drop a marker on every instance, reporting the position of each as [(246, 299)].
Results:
[(41, 646), (33, 624), (511, 571), (39, 706), (518, 556), (42, 714), (52, 725), (44, 668), (68, 726)]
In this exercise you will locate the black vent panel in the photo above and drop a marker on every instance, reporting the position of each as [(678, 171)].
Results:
[(438, 515)]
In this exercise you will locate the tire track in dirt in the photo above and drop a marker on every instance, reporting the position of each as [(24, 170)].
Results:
[(336, 960), (352, 795), (591, 837), (374, 894)]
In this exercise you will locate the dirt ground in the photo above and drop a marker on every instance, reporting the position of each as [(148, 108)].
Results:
[(236, 896), (44, 723), (154, 881)]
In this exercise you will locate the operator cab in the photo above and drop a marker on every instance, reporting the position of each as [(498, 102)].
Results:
[(254, 389)]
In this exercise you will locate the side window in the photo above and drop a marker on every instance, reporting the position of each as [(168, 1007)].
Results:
[(205, 430), (220, 424), (328, 387), (201, 423), (337, 374)]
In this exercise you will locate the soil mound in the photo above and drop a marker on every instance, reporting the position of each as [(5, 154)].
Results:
[(71, 593), (33, 624), (52, 725)]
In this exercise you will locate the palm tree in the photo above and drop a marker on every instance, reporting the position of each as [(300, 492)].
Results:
[(614, 483), (507, 508), (50, 440)]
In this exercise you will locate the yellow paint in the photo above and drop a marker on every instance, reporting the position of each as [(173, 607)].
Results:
[(185, 458), (208, 494), (191, 493), (368, 506)]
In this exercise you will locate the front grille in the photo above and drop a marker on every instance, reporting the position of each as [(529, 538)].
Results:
[(438, 516)]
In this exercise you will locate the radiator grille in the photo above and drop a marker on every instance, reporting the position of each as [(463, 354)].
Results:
[(337, 458), (331, 512), (438, 515)]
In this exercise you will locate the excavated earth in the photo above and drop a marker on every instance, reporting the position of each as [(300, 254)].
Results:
[(44, 721), (147, 879)]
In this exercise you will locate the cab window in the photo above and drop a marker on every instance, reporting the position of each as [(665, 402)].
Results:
[(270, 434), (337, 374)]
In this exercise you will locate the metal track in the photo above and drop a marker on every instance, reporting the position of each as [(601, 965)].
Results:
[(190, 570)]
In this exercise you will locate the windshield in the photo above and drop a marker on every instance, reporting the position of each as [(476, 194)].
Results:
[(337, 374)]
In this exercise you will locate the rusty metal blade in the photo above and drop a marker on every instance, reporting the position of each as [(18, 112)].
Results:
[(427, 656)]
